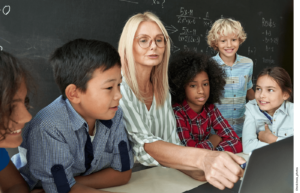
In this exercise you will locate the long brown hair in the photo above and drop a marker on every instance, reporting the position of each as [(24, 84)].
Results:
[(12, 73), (282, 78)]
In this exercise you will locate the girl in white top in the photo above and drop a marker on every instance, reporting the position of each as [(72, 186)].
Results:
[(144, 48), (270, 116)]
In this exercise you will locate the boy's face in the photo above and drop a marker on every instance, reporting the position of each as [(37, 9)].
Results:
[(197, 91), (101, 98), (269, 95), (18, 118), (228, 46)]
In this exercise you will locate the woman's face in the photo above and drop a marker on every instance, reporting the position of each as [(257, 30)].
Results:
[(153, 55), (18, 118)]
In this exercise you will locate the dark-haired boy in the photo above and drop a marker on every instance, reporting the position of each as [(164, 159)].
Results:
[(78, 143)]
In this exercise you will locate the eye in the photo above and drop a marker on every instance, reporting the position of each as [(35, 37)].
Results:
[(271, 90), (109, 88), (27, 103), (119, 84), (192, 86), (234, 40), (258, 89), (206, 84)]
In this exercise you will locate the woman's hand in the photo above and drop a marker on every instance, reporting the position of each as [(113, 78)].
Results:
[(222, 169), (266, 136)]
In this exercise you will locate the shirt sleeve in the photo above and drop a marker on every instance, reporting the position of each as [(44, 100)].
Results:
[(250, 141), (4, 158), (230, 140), (122, 152), (185, 134), (249, 84), (138, 131), (50, 160)]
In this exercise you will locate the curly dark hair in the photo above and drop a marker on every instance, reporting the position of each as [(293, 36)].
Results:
[(12, 73), (184, 67)]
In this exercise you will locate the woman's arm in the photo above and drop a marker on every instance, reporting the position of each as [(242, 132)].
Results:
[(11, 180), (221, 169)]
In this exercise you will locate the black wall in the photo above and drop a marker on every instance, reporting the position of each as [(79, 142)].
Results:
[(32, 29)]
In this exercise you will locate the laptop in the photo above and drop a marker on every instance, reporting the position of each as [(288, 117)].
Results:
[(269, 170)]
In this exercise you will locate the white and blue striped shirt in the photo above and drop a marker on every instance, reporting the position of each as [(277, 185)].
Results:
[(57, 136)]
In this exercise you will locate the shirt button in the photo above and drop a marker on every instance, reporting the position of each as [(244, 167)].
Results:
[(232, 81), (230, 68), (234, 109), (285, 134), (234, 95), (274, 120), (274, 132)]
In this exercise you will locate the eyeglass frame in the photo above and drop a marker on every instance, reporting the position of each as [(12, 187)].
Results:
[(166, 39)]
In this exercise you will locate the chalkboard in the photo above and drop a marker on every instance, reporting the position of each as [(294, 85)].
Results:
[(32, 29)]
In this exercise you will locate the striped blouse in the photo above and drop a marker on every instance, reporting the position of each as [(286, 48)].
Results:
[(145, 126)]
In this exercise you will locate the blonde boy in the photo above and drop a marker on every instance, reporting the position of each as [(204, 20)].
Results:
[(225, 36)]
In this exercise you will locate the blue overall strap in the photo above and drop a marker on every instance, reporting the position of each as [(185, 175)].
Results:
[(266, 114)]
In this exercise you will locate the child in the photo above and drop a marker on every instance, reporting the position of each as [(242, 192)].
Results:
[(270, 116), (225, 36), (14, 103), (78, 143), (196, 83)]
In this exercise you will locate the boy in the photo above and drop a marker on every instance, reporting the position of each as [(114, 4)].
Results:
[(225, 36), (78, 143)]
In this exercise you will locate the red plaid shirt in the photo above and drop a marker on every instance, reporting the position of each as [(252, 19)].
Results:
[(193, 129)]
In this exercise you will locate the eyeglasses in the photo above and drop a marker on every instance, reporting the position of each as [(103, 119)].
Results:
[(145, 41)]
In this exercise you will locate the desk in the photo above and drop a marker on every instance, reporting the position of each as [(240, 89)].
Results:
[(160, 179)]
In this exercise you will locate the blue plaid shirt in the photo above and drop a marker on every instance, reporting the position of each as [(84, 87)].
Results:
[(238, 82), (53, 150)]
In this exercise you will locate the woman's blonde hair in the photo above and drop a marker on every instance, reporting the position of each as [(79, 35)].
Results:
[(224, 27), (159, 74)]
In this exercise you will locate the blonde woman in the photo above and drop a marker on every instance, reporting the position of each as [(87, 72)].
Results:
[(144, 48)]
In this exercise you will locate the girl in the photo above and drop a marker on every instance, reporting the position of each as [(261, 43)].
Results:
[(196, 83), (270, 116), (14, 103)]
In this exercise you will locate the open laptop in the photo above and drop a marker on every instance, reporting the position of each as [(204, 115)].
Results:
[(269, 170)]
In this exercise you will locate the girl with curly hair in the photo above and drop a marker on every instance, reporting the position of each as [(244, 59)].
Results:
[(14, 103), (196, 83)]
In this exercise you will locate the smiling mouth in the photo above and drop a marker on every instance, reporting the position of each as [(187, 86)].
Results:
[(16, 131), (200, 99), (263, 102)]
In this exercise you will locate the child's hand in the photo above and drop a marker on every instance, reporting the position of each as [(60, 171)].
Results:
[(266, 135), (215, 139)]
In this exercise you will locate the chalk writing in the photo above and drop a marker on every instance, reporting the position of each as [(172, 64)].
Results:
[(157, 2), (271, 40), (210, 51), (6, 9), (171, 29), (186, 16), (269, 61), (267, 33), (206, 21), (269, 23), (189, 36), (186, 48), (174, 48), (268, 48), (251, 50), (130, 1)]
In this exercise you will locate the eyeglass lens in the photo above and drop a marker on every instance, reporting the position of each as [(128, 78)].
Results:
[(145, 41)]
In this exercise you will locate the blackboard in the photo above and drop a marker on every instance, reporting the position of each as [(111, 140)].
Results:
[(32, 29)]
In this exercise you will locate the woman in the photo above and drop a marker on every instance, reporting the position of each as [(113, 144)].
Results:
[(144, 48)]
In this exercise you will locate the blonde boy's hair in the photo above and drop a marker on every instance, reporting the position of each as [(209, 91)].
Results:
[(224, 27), (159, 74)]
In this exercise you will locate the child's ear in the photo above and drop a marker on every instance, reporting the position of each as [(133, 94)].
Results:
[(72, 93), (286, 95)]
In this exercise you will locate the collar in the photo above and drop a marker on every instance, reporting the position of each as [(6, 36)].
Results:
[(192, 114), (283, 108), (77, 121), (222, 63)]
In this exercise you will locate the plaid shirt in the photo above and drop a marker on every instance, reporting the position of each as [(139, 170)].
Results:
[(194, 129)]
